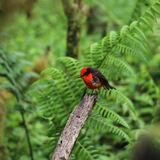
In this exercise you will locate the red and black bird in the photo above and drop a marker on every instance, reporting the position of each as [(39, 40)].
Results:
[(94, 79)]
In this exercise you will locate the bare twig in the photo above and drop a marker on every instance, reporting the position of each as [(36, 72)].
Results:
[(73, 126)]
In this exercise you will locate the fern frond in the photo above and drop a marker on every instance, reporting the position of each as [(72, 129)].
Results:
[(87, 59), (136, 13), (109, 114), (123, 32), (135, 42), (155, 9), (72, 69), (150, 15), (120, 98), (50, 102), (132, 35), (96, 53), (109, 41), (124, 49), (115, 67), (101, 125), (84, 150), (62, 85), (56, 95)]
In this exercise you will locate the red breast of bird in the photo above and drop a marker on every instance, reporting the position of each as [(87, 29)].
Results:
[(89, 79)]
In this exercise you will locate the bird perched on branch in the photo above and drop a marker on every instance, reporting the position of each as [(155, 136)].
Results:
[(94, 79)]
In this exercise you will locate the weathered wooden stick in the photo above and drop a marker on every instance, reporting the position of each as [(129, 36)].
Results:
[(73, 126)]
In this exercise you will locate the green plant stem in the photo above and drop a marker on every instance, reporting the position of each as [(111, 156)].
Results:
[(27, 135)]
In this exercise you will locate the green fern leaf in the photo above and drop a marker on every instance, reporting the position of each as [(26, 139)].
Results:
[(107, 113), (116, 66), (72, 71), (101, 125), (84, 150), (120, 98)]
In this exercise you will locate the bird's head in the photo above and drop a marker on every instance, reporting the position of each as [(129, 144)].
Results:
[(84, 71)]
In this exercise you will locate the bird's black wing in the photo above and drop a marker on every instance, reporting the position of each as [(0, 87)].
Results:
[(101, 77)]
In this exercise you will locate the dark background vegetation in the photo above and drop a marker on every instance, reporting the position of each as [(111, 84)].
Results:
[(34, 35)]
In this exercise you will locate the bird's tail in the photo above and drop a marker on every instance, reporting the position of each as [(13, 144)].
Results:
[(108, 86)]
